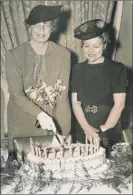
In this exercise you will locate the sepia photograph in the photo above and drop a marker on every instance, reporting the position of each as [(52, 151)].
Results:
[(66, 97)]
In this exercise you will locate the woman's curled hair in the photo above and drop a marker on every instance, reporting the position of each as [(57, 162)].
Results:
[(54, 24)]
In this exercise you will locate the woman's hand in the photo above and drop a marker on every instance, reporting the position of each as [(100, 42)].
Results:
[(46, 122), (91, 133), (93, 137), (103, 128)]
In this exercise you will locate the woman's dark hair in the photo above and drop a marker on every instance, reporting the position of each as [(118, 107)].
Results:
[(54, 24), (105, 37)]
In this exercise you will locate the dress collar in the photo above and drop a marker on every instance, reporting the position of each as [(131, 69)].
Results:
[(48, 50)]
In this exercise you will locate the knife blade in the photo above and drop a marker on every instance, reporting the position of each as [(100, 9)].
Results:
[(38, 126), (58, 140)]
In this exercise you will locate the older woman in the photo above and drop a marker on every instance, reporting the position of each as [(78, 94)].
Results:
[(38, 78), (98, 87)]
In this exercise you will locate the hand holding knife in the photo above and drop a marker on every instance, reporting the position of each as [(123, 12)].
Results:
[(54, 130)]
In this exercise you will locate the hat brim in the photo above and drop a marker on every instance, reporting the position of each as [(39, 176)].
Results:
[(88, 36), (48, 13), (90, 29)]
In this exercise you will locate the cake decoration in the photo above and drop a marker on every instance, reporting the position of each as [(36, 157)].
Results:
[(43, 178)]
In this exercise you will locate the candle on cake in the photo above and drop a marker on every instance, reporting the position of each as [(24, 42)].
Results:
[(70, 150), (32, 147), (98, 143), (94, 148), (86, 142), (36, 148), (86, 139), (54, 153), (78, 147), (39, 150), (91, 148), (87, 149), (61, 151), (45, 152)]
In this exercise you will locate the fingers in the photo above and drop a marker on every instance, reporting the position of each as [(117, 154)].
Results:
[(86, 139), (96, 130), (91, 144), (91, 139), (47, 123), (52, 126), (94, 142), (98, 143)]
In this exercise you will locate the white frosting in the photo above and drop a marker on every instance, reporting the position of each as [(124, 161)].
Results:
[(70, 163)]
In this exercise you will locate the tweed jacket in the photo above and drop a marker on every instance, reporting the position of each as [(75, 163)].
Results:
[(21, 111)]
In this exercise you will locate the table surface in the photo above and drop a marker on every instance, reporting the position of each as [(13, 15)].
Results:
[(91, 185)]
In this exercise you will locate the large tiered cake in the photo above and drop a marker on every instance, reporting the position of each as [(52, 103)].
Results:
[(51, 171), (69, 161)]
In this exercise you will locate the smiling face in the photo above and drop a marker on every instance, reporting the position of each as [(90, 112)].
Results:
[(40, 32), (93, 49)]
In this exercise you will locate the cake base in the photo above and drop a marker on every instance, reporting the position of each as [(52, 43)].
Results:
[(75, 166)]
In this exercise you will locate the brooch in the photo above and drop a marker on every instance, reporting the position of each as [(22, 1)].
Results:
[(92, 109)]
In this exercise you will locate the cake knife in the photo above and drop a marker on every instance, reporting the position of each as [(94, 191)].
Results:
[(55, 133), (58, 140)]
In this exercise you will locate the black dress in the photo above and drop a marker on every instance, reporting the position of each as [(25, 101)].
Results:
[(95, 85)]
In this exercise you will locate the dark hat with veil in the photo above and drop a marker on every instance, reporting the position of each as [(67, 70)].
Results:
[(90, 29)]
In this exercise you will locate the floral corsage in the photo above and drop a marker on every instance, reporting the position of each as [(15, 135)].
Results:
[(46, 94)]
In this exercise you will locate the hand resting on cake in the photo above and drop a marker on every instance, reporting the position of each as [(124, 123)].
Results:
[(93, 137), (91, 132)]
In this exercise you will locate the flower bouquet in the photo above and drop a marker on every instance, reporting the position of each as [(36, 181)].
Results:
[(46, 94)]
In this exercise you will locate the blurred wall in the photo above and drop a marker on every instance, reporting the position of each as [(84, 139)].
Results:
[(2, 112), (124, 53)]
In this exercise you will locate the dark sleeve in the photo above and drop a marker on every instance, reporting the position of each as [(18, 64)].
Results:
[(119, 79), (75, 79), (15, 85)]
